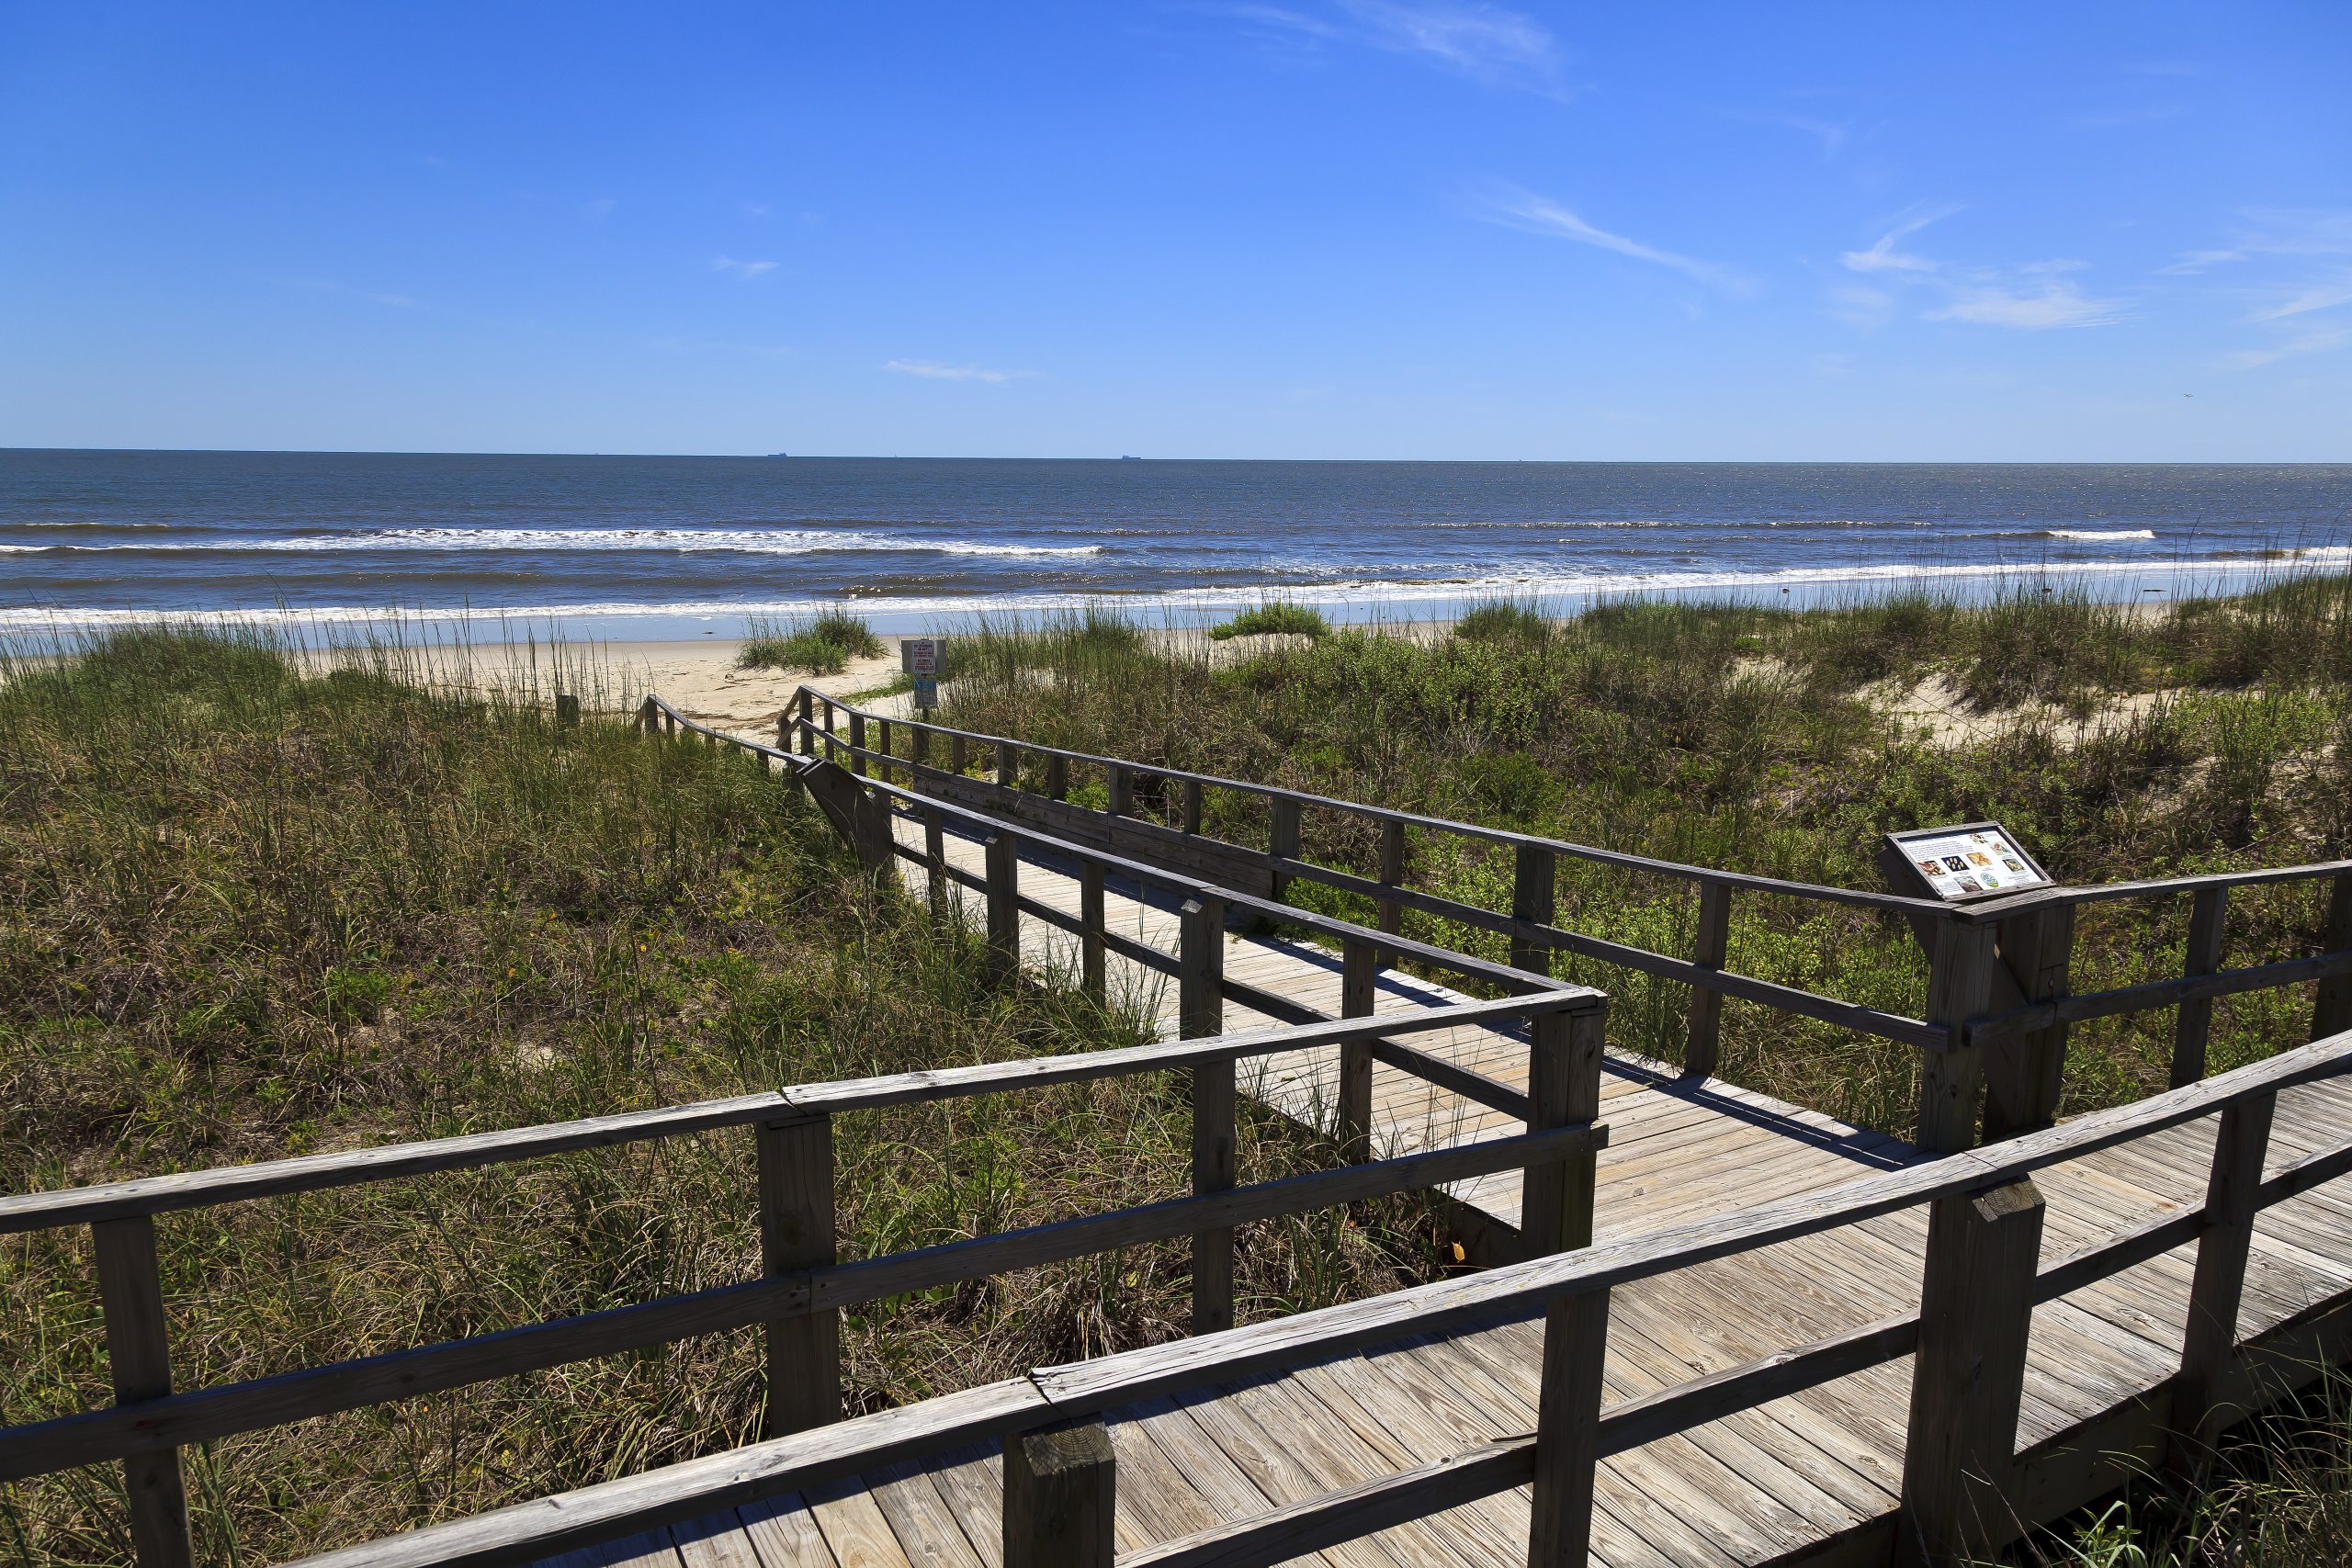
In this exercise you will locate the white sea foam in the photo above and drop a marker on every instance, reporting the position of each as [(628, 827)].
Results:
[(2193, 576), (741, 541), (2099, 535)]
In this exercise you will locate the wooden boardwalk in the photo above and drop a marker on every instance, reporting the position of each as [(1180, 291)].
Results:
[(1811, 1477)]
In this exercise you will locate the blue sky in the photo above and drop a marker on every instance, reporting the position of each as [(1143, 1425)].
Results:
[(1320, 228)]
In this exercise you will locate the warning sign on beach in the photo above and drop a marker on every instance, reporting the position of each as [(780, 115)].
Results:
[(922, 662), (1970, 861)]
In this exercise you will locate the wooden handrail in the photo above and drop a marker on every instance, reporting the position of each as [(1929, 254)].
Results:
[(1973, 1006), (176, 1419), (1697, 873), (1062, 1394)]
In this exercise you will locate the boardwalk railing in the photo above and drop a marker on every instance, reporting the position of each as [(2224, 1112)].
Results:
[(1992, 1046), (1962, 1473), (861, 809), (803, 1286)]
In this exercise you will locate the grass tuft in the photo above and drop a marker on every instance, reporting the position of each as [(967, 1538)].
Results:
[(254, 903), (1501, 620), (822, 644), (1272, 617)]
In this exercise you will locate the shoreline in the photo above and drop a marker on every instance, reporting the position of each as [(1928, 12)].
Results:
[(1371, 604)]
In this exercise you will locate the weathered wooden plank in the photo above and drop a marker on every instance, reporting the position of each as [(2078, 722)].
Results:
[(1968, 1376), (2210, 1332), (2194, 1022), (1951, 1081), (310, 1173), (138, 1361), (803, 1351), (1060, 1497), (1703, 1039)]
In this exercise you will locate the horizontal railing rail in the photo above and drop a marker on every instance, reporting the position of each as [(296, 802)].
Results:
[(1364, 948), (1999, 1003), (803, 1287), (1981, 1278)]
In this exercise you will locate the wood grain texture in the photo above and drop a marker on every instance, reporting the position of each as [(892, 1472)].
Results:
[(139, 1360), (1968, 1376)]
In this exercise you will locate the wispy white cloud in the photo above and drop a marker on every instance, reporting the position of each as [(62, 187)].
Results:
[(1884, 258), (2308, 342), (600, 207), (1859, 305), (932, 370), (1537, 214), (2302, 300), (1486, 43), (2052, 305), (2033, 296), (2271, 232), (746, 270)]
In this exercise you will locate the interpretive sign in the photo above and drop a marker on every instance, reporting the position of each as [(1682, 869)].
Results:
[(922, 663), (1972, 862)]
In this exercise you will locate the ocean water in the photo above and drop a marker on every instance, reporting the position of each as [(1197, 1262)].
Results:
[(686, 546)]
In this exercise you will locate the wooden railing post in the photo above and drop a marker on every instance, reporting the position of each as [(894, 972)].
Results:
[(1092, 971), (1282, 842), (829, 721), (1351, 1118), (1005, 906), (1392, 872), (1201, 1012), (2209, 1334), (1951, 1080), (649, 715), (857, 744), (2025, 1076), (2193, 1023), (1567, 1429), (1192, 805), (1057, 777), (882, 744), (1968, 1376), (1562, 1086), (934, 860), (1121, 787), (1555, 1215), (804, 1352), (2332, 1008), (1008, 764), (958, 761), (1702, 1048), (1060, 1497), (1534, 876), (919, 745), (567, 710), (139, 1355)]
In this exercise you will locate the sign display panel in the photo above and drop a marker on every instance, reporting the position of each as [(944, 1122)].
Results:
[(922, 655), (1970, 861)]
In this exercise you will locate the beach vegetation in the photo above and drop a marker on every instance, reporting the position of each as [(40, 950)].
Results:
[(1502, 620), (822, 643), (1275, 617), (258, 901), (2118, 740)]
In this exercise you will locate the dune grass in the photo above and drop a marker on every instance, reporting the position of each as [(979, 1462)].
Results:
[(822, 644), (1502, 619), (250, 907), (2277, 1494), (1764, 740), (1275, 617)]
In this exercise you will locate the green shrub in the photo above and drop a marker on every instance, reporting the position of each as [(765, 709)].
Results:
[(822, 644), (1273, 615), (1497, 620)]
